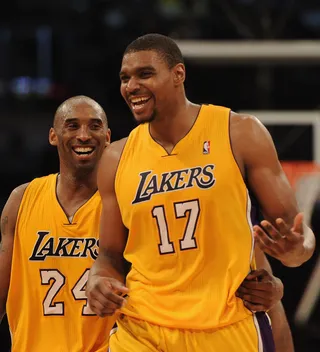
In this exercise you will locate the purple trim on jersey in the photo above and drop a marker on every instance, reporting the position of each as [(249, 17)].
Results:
[(265, 332), (254, 214)]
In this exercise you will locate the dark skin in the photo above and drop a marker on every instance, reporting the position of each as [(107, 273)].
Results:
[(260, 290), (78, 125), (140, 77), (289, 240), (78, 122), (8, 223)]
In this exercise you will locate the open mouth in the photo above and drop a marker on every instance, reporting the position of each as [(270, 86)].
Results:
[(139, 103), (83, 151)]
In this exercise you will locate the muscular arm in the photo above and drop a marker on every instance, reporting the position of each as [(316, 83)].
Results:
[(280, 327), (258, 161), (8, 224), (113, 234)]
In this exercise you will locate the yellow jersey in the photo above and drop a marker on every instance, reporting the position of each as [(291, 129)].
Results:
[(46, 306), (190, 238)]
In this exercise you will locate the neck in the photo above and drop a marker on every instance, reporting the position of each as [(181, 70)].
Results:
[(79, 185), (170, 128)]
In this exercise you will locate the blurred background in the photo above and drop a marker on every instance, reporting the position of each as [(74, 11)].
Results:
[(260, 56)]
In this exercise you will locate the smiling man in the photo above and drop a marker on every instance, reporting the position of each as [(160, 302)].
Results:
[(176, 206), (49, 231)]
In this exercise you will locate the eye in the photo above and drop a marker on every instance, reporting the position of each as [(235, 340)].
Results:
[(124, 79), (72, 126), (146, 74), (95, 126)]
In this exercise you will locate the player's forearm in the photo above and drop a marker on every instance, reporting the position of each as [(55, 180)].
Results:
[(109, 264), (281, 329)]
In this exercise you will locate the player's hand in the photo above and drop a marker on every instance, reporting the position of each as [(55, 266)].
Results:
[(281, 241), (260, 291), (104, 295)]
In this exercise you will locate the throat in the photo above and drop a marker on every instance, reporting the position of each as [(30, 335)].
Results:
[(72, 196), (168, 147), (168, 132)]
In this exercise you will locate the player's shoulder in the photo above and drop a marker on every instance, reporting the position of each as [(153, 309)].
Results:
[(115, 149), (111, 155), (13, 203), (246, 126), (243, 120), (18, 192), (118, 146)]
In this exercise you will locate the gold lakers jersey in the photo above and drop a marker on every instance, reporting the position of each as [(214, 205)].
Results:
[(46, 306), (188, 213)]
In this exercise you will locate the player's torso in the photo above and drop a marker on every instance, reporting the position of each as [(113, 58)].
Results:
[(46, 303), (189, 240)]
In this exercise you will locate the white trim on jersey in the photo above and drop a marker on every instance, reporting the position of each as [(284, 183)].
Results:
[(249, 207), (113, 331)]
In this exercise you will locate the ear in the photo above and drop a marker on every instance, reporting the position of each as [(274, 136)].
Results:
[(108, 137), (53, 139), (179, 72)]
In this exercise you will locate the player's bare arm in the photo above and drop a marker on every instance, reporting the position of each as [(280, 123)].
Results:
[(283, 234), (107, 275), (8, 224)]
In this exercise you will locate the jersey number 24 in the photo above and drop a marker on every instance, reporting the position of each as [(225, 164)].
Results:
[(57, 281)]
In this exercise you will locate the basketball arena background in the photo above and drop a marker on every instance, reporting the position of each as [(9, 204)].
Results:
[(257, 56)]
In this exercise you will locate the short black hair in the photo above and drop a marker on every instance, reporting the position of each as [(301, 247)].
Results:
[(162, 44)]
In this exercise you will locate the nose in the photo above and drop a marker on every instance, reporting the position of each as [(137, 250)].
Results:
[(83, 134), (132, 85)]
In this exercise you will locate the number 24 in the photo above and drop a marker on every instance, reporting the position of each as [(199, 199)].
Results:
[(78, 291)]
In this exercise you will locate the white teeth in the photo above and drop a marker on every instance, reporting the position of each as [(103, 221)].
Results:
[(83, 150), (138, 100)]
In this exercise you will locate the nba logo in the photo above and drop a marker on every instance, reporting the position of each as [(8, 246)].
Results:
[(206, 147)]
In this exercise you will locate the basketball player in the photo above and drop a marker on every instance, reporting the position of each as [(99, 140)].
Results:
[(50, 233), (179, 213)]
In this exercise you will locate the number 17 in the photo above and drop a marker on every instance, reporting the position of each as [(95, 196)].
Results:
[(182, 209)]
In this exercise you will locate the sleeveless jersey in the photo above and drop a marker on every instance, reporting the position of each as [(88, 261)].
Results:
[(190, 237), (46, 306)]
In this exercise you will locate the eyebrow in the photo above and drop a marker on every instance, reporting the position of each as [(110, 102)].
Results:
[(76, 119), (139, 69)]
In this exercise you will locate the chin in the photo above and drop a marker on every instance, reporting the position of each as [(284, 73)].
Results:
[(84, 171), (144, 119), (86, 165)]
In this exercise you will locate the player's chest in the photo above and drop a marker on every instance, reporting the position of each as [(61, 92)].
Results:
[(174, 177)]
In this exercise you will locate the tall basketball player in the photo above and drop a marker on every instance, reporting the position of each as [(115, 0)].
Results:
[(50, 232), (176, 206)]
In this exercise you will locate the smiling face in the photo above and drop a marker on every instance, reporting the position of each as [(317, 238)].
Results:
[(148, 85), (80, 133)]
